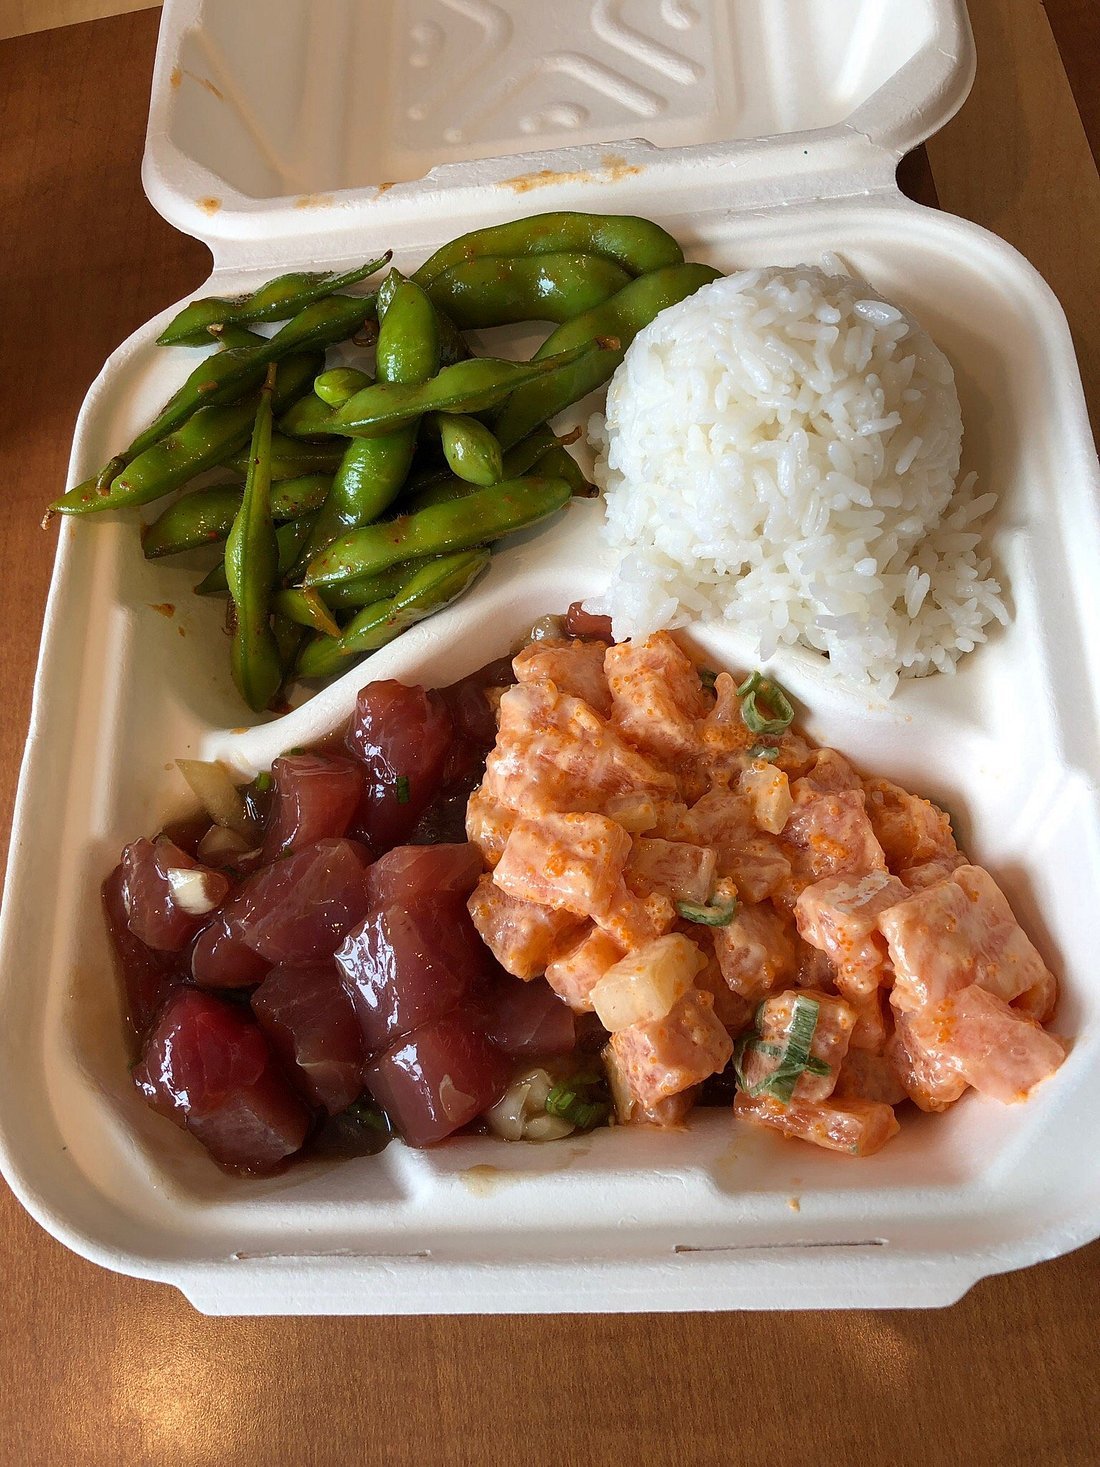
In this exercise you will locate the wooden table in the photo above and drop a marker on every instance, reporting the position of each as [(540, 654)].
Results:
[(100, 1369)]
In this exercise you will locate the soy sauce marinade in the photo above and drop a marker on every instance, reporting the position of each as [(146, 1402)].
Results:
[(304, 978)]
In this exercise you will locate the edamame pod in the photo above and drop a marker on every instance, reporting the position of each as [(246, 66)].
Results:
[(471, 451), (500, 290), (335, 386), (205, 516), (638, 245), (429, 588), (208, 438), (291, 459), (373, 470), (483, 516), (277, 300), (289, 539), (467, 387), (623, 316), (305, 609), (251, 569)]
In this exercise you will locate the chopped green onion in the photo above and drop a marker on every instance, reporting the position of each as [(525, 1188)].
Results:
[(402, 789), (764, 751), (757, 686), (707, 677), (263, 781), (719, 914), (569, 1106), (795, 1058)]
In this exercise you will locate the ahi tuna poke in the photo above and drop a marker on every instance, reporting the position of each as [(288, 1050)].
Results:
[(596, 884)]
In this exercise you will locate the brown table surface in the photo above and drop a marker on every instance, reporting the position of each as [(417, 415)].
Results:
[(102, 1369)]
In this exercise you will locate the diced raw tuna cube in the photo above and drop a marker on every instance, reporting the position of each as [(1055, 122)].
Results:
[(832, 1034), (757, 951), (569, 862), (575, 973), (958, 933), (312, 1027), (910, 830), (930, 1082), (840, 916), (529, 1019), (222, 959), (666, 1056), (298, 910), (522, 936), (168, 895), (314, 797), (408, 963), (1001, 1052), (208, 1067), (857, 1127), (684, 873), (402, 736), (408, 872), (438, 1078), (147, 975), (656, 696)]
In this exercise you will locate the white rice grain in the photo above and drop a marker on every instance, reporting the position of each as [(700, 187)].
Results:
[(781, 450)]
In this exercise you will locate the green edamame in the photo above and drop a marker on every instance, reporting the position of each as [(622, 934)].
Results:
[(373, 470), (292, 459), (499, 290), (428, 589), (205, 516), (337, 385), (305, 608), (467, 387), (637, 245), (289, 539), (483, 516), (251, 569), (209, 437), (623, 316), (277, 300), (471, 451)]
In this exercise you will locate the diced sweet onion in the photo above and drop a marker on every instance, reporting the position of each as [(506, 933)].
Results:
[(647, 983), (219, 841), (216, 792), (635, 812), (196, 892), (768, 789)]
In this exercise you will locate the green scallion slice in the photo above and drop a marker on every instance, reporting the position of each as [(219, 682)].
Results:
[(716, 914), (263, 781), (764, 751), (402, 789), (756, 689), (794, 1058), (569, 1106), (708, 677)]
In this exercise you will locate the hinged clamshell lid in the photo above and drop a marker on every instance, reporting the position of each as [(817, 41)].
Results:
[(273, 122)]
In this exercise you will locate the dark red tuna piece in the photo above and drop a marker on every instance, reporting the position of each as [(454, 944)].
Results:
[(529, 1018), (411, 962), (147, 975), (314, 797), (408, 872), (472, 713), (585, 624), (402, 736), (208, 1067), (311, 1024), (222, 959), (168, 895), (438, 1078)]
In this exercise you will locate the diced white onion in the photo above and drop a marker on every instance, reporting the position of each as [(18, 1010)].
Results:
[(546, 629), (547, 1128), (635, 812), (220, 841), (454, 1101), (768, 789), (506, 1117), (647, 983), (196, 892), (218, 795)]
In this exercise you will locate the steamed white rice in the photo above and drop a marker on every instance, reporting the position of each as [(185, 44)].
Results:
[(781, 450)]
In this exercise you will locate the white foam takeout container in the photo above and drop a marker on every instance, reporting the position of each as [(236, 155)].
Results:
[(316, 135)]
